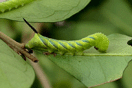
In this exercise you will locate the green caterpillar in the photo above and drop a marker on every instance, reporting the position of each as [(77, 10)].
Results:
[(39, 42), (12, 4)]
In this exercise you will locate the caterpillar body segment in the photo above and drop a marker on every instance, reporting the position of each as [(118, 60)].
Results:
[(39, 42), (12, 4)]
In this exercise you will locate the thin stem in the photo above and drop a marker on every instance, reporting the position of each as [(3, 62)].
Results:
[(41, 75), (17, 47)]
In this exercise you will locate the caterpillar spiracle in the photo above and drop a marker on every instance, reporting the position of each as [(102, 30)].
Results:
[(39, 42), (12, 4)]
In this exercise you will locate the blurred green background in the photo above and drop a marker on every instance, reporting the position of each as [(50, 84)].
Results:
[(106, 16)]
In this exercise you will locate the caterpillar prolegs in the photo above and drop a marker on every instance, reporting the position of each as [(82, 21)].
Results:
[(39, 42), (12, 4)]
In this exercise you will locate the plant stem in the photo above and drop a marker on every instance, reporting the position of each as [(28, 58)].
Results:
[(17, 47), (41, 75)]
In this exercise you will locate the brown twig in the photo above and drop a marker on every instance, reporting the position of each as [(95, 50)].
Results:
[(41, 75), (17, 47)]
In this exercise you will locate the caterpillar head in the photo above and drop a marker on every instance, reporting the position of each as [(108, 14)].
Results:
[(101, 43), (35, 43)]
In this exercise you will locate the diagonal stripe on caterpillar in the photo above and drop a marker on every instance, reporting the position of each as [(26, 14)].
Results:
[(42, 43)]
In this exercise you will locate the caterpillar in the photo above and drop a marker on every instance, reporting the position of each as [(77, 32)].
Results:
[(42, 43), (12, 4)]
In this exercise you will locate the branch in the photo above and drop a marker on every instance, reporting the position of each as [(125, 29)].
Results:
[(17, 47), (41, 75)]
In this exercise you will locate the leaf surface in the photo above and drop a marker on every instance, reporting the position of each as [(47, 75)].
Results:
[(45, 10), (96, 68), (14, 71)]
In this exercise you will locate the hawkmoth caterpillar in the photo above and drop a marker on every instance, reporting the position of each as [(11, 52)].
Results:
[(12, 4), (42, 43)]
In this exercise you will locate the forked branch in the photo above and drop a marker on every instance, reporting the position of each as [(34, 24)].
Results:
[(17, 47)]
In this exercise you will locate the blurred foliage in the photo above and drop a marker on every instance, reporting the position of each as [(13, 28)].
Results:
[(106, 16)]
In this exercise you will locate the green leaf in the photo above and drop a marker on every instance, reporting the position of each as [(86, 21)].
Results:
[(45, 10), (14, 71), (118, 12), (127, 77), (96, 68)]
